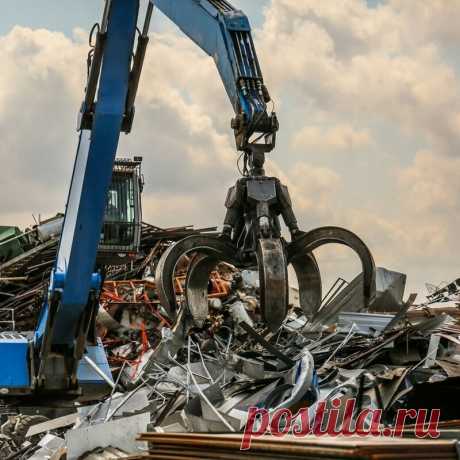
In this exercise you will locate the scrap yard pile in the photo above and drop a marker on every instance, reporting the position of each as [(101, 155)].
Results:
[(26, 260), (174, 377)]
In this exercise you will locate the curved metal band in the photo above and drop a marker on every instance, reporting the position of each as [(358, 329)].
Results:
[(326, 235), (309, 279), (164, 276), (273, 277), (196, 286)]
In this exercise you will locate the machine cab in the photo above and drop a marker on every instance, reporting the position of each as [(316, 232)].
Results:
[(121, 231)]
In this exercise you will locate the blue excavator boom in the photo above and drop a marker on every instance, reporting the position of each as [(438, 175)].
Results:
[(224, 33), (63, 353)]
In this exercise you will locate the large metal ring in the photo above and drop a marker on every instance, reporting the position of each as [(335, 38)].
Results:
[(219, 249), (326, 235)]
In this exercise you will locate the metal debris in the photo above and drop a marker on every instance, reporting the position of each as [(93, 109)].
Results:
[(178, 446), (201, 371), (121, 433)]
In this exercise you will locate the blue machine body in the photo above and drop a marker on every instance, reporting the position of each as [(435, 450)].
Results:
[(15, 361), (16, 373), (52, 359)]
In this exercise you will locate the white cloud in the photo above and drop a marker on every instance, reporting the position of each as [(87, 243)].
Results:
[(345, 78), (312, 188), (431, 184), (387, 74), (350, 60), (40, 93), (38, 84), (342, 137)]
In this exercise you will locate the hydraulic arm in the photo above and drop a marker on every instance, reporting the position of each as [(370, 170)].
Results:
[(55, 356), (251, 236), (224, 33), (51, 359), (69, 313)]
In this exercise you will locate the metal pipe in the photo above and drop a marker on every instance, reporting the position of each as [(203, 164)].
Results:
[(114, 388), (105, 16), (148, 17), (99, 372), (208, 402), (123, 402), (14, 279), (17, 237), (138, 64), (350, 334), (202, 360)]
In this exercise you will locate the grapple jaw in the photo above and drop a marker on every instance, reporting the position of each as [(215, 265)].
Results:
[(273, 258), (209, 251), (265, 251), (273, 276), (301, 249), (309, 280)]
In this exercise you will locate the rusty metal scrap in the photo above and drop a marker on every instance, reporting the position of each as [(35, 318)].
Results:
[(200, 370), (187, 446), (23, 279)]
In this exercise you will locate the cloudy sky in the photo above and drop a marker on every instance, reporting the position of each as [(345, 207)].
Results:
[(368, 96)]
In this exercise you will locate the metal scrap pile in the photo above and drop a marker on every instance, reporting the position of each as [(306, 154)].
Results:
[(174, 376), (131, 319), (26, 259), (207, 380), (189, 446)]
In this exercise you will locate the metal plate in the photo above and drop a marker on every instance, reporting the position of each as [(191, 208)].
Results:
[(273, 282)]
